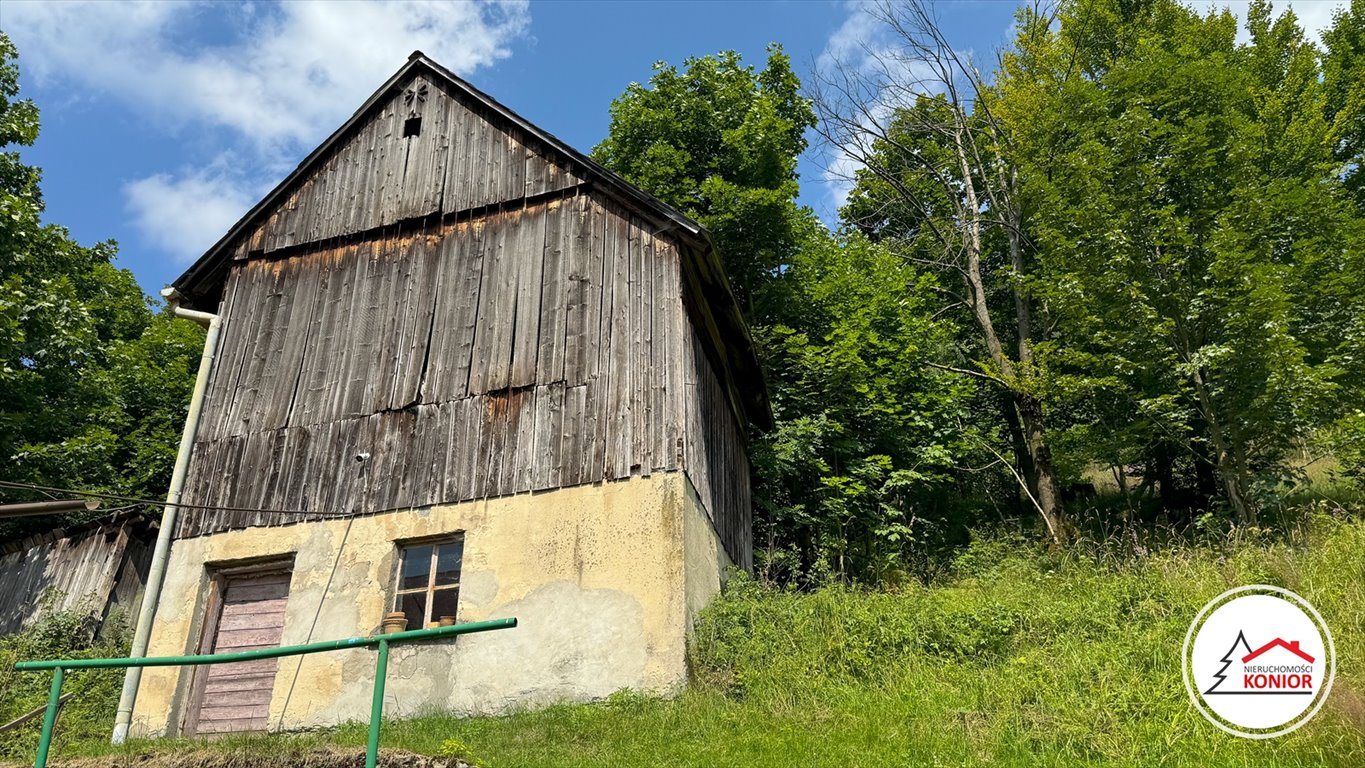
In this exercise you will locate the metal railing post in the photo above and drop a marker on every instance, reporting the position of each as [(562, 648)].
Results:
[(59, 667), (54, 702), (381, 673)]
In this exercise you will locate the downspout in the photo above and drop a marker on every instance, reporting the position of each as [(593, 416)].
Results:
[(156, 575)]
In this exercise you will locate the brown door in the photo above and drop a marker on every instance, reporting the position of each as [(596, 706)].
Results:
[(236, 697)]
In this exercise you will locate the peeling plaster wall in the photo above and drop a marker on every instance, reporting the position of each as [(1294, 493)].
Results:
[(705, 564), (604, 580)]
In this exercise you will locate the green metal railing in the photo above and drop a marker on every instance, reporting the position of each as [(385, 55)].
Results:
[(60, 666)]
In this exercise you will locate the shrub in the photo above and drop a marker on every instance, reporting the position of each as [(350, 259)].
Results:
[(89, 713)]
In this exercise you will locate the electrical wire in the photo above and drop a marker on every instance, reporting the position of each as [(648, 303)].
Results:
[(149, 502)]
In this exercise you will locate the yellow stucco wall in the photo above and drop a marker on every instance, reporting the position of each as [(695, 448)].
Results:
[(604, 579)]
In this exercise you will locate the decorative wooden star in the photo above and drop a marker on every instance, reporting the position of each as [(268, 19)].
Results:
[(414, 98)]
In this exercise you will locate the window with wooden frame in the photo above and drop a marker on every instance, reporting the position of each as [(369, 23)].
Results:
[(428, 582)]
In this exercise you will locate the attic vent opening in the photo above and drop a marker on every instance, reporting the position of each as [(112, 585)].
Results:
[(412, 127)]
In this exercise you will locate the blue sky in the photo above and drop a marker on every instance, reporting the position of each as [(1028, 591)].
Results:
[(162, 122)]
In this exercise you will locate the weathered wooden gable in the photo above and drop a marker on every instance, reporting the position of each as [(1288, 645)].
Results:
[(422, 150)]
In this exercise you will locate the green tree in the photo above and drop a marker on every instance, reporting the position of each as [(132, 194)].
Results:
[(854, 476), (1343, 79), (934, 180), (93, 385), (1196, 249), (864, 464), (719, 141)]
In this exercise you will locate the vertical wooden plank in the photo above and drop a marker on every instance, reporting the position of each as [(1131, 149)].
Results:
[(410, 464), (273, 374), (421, 295), (223, 376), (574, 450), (642, 283), (367, 305), (492, 156), (598, 351), (256, 366), (492, 355), (359, 178), (462, 166), (618, 409), (445, 258), (381, 317), (393, 155), (291, 492), (530, 256), (556, 293), (350, 168), (316, 385), (546, 463), (674, 356), (476, 460), (502, 427), (492, 439), (581, 281), (245, 326), (304, 283), (470, 302), (454, 439), (440, 158), (520, 454), (693, 434), (408, 321), (514, 167), (658, 359), (537, 169), (320, 193), (434, 428), (382, 168)]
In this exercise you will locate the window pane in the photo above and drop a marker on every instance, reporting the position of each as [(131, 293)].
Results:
[(444, 602), (414, 606), (448, 562), (416, 567)]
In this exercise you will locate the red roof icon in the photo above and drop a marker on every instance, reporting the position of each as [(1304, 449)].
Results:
[(1277, 642)]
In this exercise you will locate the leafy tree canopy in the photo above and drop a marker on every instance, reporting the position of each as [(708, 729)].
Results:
[(719, 141), (93, 385)]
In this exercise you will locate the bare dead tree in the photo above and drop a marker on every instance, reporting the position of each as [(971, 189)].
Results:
[(908, 108)]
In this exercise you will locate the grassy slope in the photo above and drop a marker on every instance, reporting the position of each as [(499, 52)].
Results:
[(1021, 658)]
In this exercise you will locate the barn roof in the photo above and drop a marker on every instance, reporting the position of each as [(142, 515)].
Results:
[(727, 336)]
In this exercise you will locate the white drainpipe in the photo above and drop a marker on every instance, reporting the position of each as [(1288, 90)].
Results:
[(157, 573)]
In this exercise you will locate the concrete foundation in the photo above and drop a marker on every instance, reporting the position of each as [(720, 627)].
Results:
[(605, 581)]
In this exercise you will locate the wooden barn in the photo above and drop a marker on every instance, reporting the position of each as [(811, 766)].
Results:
[(463, 371), (93, 569)]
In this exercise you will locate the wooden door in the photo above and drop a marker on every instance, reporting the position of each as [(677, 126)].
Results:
[(250, 615)]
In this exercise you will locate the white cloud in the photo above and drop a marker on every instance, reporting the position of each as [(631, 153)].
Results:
[(869, 72), (297, 70), (267, 82), (185, 213)]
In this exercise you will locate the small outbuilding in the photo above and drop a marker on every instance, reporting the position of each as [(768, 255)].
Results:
[(463, 371), (93, 569)]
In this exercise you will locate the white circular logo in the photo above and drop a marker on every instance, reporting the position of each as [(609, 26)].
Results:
[(1259, 661)]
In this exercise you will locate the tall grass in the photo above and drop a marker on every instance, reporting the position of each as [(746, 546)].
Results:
[(89, 714), (1017, 656)]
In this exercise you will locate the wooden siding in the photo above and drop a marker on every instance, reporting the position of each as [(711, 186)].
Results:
[(85, 570), (459, 160), (528, 349), (716, 460)]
